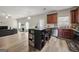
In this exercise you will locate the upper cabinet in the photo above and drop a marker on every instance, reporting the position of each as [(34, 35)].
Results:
[(52, 18), (75, 16)]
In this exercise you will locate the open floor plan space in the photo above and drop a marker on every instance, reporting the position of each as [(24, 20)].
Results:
[(14, 43), (39, 29)]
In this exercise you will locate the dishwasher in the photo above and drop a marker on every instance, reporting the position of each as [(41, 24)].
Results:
[(55, 32)]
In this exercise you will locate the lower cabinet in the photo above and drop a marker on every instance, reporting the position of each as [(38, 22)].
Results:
[(40, 38), (66, 33)]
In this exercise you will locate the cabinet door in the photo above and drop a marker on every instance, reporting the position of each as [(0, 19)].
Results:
[(73, 16), (52, 18), (49, 19), (68, 33), (78, 16), (60, 33), (65, 33)]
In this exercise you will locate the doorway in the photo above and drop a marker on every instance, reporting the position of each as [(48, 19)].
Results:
[(23, 27)]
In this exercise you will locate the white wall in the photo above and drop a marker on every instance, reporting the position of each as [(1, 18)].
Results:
[(33, 21), (10, 22)]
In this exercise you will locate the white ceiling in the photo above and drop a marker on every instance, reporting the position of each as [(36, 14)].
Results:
[(21, 11)]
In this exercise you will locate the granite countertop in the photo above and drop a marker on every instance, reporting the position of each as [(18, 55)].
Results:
[(75, 30)]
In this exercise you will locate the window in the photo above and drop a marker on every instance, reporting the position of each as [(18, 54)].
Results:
[(63, 22)]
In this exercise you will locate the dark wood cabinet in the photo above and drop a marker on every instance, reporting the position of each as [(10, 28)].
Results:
[(40, 37), (65, 33), (52, 18), (75, 16), (78, 15)]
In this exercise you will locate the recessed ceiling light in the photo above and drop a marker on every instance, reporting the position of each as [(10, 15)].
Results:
[(6, 17), (9, 15), (28, 17)]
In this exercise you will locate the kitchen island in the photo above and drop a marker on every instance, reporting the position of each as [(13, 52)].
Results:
[(38, 38)]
